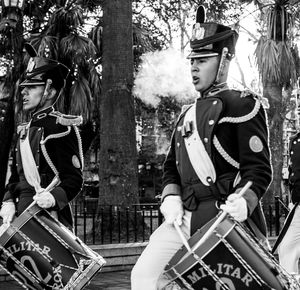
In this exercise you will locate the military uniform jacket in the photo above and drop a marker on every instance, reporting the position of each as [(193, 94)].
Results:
[(233, 129), (294, 168), (60, 156)]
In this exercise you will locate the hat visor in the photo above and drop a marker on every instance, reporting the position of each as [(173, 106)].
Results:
[(31, 83), (201, 54)]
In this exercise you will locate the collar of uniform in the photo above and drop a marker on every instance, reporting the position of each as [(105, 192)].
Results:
[(214, 90), (42, 114)]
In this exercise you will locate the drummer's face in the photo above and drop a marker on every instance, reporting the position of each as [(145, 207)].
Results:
[(32, 96), (204, 71)]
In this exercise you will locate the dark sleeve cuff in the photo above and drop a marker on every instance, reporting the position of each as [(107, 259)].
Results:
[(170, 189), (251, 199), (60, 197)]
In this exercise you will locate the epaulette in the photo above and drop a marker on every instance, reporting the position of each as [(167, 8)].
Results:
[(67, 120), (217, 90), (263, 101)]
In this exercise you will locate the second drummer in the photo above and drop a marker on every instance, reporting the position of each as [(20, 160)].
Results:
[(48, 159), (218, 145)]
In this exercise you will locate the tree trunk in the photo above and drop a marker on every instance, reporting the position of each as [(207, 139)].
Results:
[(7, 104), (118, 182), (276, 113)]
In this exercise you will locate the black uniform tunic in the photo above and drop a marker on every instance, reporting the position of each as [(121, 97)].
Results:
[(62, 157), (234, 132), (294, 168)]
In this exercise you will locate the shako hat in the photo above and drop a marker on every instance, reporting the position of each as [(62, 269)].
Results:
[(209, 38), (39, 69)]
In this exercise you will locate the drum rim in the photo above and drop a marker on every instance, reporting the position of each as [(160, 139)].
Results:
[(18, 223), (93, 269), (186, 254)]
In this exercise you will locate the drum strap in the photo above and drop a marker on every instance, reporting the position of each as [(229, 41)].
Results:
[(29, 166), (197, 153)]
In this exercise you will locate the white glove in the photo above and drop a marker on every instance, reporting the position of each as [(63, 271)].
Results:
[(44, 199), (291, 206), (236, 206), (172, 209), (8, 211)]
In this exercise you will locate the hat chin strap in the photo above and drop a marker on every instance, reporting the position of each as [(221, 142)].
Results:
[(221, 66), (45, 94), (220, 71)]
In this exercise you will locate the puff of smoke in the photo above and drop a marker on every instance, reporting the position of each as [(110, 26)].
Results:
[(164, 73)]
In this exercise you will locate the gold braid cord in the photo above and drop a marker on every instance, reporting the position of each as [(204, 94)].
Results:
[(235, 120)]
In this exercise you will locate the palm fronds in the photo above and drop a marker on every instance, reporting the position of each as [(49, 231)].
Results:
[(63, 20), (275, 61), (286, 64), (46, 45), (96, 36), (77, 48), (267, 57), (81, 98)]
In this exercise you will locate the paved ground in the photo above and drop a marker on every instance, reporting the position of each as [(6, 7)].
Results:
[(119, 280)]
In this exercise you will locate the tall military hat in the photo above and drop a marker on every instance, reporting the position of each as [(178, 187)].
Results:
[(209, 38), (39, 69)]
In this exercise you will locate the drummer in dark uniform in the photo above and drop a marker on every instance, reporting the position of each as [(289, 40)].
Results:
[(288, 249), (48, 159), (219, 144)]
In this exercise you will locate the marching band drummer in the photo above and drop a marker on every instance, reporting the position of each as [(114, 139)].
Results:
[(48, 159), (218, 145), (289, 238)]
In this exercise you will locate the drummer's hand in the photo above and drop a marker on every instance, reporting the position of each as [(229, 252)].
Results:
[(291, 206), (8, 211), (44, 199), (172, 209), (236, 206)]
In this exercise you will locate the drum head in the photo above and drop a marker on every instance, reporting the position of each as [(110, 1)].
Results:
[(40, 253), (230, 256)]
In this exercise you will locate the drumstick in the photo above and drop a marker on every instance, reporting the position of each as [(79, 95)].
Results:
[(220, 218), (182, 237)]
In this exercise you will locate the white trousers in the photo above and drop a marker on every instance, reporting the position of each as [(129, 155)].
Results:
[(289, 248), (163, 244)]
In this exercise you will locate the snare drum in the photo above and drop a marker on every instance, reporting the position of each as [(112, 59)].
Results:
[(231, 258), (41, 253)]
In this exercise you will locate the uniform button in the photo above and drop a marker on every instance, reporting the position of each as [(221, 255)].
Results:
[(17, 164), (209, 179), (292, 152), (295, 142), (179, 128), (292, 174), (178, 144), (16, 149), (205, 140), (215, 102), (298, 140), (211, 122), (39, 129), (177, 162)]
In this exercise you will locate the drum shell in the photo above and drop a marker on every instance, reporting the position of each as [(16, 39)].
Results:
[(41, 253), (185, 269)]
